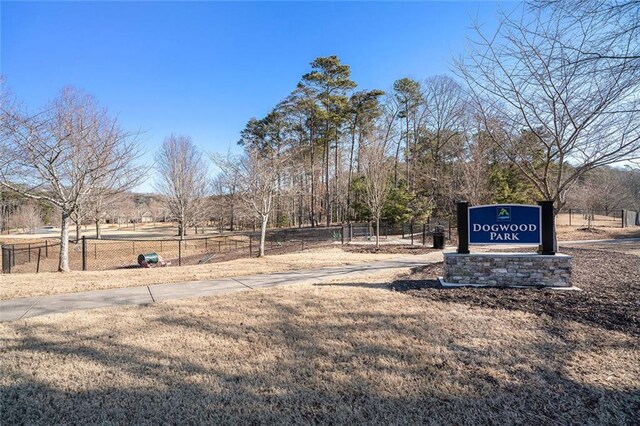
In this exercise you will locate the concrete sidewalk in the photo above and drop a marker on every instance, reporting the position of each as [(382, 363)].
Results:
[(15, 309)]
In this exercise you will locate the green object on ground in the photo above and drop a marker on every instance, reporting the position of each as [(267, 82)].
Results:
[(149, 258)]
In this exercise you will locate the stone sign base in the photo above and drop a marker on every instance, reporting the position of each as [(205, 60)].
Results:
[(507, 270)]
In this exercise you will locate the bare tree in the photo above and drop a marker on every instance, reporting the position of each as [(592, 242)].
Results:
[(474, 173), (553, 114), (28, 217), (607, 189), (376, 169), (9, 203), (226, 185), (446, 122), (183, 180), (78, 217), (614, 28), (256, 174), (100, 206), (66, 154)]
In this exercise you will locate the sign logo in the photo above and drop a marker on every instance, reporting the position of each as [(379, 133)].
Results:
[(505, 224), (504, 214)]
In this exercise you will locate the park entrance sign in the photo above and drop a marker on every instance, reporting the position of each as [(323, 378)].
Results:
[(505, 224)]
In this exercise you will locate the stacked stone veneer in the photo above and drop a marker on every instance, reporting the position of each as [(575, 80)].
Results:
[(508, 269)]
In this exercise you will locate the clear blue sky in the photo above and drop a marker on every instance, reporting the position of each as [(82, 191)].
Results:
[(205, 68)]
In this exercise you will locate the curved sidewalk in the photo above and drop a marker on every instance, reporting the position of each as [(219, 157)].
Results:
[(27, 307)]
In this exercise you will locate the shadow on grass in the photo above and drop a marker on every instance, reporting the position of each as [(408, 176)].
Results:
[(321, 360)]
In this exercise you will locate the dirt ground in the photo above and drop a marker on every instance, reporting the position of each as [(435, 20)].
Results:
[(26, 285), (348, 353), (610, 298)]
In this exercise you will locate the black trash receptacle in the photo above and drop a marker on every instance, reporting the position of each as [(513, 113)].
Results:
[(438, 238)]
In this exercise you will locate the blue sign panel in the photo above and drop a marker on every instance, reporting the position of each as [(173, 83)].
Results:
[(505, 224)]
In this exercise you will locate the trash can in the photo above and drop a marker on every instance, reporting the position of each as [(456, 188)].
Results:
[(438, 238), (148, 258)]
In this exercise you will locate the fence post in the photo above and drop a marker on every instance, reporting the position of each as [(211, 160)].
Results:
[(250, 245), (424, 233), (350, 231), (84, 253), (386, 230), (411, 230), (342, 233), (38, 265), (623, 217), (13, 255), (179, 252), (6, 260), (29, 248), (570, 214), (46, 248)]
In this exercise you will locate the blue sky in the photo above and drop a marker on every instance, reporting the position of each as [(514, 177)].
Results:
[(205, 68)]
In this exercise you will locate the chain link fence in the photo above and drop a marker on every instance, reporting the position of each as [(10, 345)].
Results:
[(90, 254), (588, 218), (410, 232)]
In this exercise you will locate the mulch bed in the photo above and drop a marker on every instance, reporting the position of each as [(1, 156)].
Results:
[(389, 249), (610, 298)]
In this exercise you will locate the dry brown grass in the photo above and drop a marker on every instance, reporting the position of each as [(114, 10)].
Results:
[(26, 285), (574, 233), (146, 230), (315, 354), (581, 220)]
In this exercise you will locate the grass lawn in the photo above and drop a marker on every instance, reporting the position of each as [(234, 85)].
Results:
[(26, 285), (387, 353)]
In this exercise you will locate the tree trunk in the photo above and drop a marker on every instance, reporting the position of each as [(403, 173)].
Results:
[(63, 260), (377, 231), (78, 230), (350, 176), (313, 176), (408, 156), (327, 193), (263, 234), (395, 165), (335, 190), (232, 217), (98, 232)]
